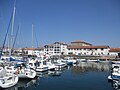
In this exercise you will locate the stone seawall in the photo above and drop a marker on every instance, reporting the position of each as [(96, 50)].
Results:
[(94, 57)]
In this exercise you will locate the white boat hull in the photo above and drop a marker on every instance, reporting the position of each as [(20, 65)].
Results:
[(41, 69), (29, 74), (8, 83)]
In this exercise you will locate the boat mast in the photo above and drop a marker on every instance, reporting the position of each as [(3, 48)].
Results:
[(6, 36), (32, 38), (12, 31)]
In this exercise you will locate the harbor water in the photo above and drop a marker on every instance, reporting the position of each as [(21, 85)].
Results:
[(82, 76)]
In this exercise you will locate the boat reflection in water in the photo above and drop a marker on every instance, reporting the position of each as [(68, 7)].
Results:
[(83, 71), (24, 84), (55, 73), (42, 74), (91, 66)]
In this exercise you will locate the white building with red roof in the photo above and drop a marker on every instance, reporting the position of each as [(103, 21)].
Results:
[(83, 48), (57, 48), (78, 47), (34, 51), (114, 51)]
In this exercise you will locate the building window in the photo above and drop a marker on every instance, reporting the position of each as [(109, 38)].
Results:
[(70, 53), (79, 53)]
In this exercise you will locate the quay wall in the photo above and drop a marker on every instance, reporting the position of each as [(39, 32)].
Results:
[(90, 57)]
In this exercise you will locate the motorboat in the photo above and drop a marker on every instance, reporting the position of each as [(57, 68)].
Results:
[(93, 60), (115, 72), (114, 75), (38, 66), (59, 64), (115, 67), (83, 60), (50, 65), (41, 66), (68, 62), (25, 72)]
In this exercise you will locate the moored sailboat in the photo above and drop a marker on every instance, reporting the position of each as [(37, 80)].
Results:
[(8, 79)]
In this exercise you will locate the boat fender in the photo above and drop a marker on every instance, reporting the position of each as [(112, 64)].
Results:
[(17, 72)]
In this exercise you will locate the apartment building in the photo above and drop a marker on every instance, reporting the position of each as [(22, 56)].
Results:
[(114, 51), (83, 48), (57, 48), (34, 51), (78, 47)]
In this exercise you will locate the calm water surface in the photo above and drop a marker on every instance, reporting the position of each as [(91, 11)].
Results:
[(83, 76)]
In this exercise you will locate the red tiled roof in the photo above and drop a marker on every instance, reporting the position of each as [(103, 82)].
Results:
[(29, 49), (55, 43), (80, 41), (33, 48), (50, 44), (86, 47), (114, 50), (60, 42), (41, 48)]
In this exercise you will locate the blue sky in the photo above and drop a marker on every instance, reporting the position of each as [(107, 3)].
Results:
[(94, 21)]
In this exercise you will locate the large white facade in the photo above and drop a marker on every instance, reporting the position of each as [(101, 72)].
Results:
[(76, 48), (83, 48), (34, 51), (57, 48), (88, 50), (114, 51)]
